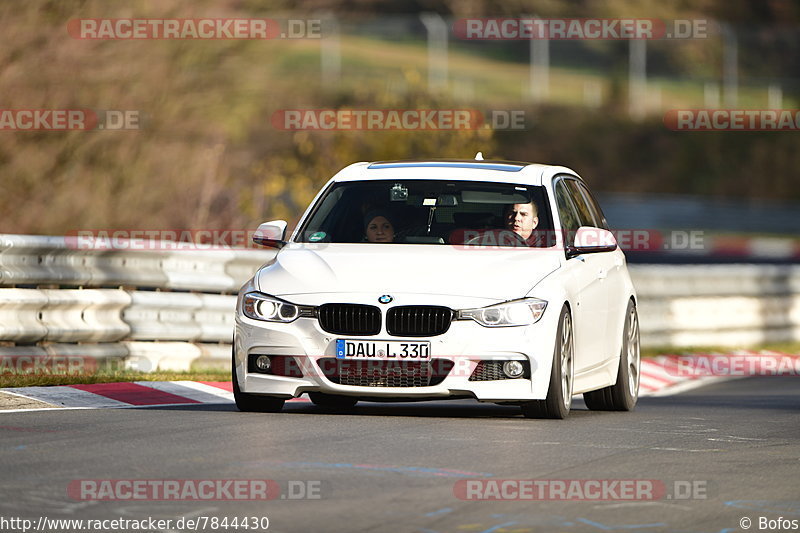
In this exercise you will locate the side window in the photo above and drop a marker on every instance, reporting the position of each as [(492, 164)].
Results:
[(594, 207), (585, 215), (566, 213)]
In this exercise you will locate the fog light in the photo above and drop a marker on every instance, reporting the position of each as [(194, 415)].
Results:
[(513, 369), (263, 363)]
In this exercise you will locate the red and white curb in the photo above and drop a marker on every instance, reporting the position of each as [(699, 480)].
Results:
[(659, 376), (135, 394), (670, 374), (663, 375)]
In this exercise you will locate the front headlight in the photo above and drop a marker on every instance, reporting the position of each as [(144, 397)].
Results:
[(262, 307), (515, 313)]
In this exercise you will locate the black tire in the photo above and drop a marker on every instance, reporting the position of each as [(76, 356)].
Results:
[(559, 392), (253, 403), (332, 401), (622, 396)]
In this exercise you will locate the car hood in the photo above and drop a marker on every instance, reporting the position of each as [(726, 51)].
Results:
[(494, 273)]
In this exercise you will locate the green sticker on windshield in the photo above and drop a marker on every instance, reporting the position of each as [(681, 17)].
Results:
[(318, 236)]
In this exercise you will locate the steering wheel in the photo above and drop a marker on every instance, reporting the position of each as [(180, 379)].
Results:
[(501, 240)]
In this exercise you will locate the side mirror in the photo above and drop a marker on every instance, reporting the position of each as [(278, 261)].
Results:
[(271, 234), (590, 240)]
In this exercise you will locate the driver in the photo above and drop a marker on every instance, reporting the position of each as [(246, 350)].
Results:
[(522, 219)]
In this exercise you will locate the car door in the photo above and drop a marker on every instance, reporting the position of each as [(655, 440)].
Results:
[(612, 271), (589, 315)]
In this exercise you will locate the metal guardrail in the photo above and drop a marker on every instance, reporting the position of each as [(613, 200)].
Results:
[(33, 260), (166, 307), (718, 305), (171, 308)]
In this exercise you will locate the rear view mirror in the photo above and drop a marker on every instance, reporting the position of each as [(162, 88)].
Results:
[(271, 234)]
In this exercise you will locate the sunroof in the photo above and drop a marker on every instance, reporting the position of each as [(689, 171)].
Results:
[(506, 167)]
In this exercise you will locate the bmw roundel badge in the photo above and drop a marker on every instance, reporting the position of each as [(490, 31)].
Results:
[(385, 299)]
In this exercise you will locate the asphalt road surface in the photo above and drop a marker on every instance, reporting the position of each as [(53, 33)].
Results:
[(715, 455)]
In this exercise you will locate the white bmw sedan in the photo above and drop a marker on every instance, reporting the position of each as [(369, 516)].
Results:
[(424, 280)]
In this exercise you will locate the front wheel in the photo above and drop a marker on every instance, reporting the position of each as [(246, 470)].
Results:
[(253, 403), (559, 392), (622, 396)]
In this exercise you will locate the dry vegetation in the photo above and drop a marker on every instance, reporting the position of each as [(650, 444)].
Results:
[(207, 156)]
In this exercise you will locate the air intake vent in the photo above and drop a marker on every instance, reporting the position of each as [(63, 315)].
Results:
[(418, 320), (381, 373), (350, 319)]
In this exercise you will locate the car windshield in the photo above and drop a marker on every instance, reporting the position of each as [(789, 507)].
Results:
[(430, 212)]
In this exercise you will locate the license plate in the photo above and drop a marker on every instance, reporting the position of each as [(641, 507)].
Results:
[(391, 350)]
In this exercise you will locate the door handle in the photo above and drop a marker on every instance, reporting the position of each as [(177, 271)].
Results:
[(602, 273)]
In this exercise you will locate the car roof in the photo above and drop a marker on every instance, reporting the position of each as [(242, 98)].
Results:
[(453, 169)]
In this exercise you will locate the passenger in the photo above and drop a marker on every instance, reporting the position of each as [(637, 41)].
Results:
[(378, 226), (522, 219)]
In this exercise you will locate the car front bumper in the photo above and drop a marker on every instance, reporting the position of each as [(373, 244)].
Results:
[(466, 343)]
